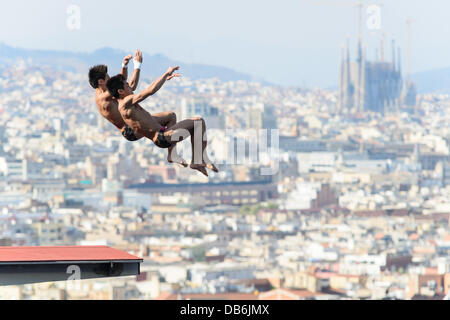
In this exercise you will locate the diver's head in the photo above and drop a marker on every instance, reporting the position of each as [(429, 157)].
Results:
[(98, 76), (118, 87)]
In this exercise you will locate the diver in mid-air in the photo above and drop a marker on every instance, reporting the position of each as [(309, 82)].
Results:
[(108, 106), (145, 124)]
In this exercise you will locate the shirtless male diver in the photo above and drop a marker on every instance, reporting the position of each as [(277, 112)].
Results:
[(108, 106), (143, 123)]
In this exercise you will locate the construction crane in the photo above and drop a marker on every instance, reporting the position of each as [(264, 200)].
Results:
[(409, 21)]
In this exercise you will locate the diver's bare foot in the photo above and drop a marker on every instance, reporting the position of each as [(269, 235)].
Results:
[(212, 167), (199, 167), (177, 159)]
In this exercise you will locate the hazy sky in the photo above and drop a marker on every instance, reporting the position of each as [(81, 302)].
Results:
[(290, 42)]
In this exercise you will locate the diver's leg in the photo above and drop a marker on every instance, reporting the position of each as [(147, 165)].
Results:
[(200, 133), (181, 131), (169, 119), (206, 160)]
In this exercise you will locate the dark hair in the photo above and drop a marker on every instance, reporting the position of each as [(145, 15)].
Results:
[(114, 84), (96, 73)]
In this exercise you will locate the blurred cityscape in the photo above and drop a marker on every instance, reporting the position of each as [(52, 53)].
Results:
[(356, 205)]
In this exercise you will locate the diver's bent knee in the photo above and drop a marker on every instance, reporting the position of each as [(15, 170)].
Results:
[(200, 119)]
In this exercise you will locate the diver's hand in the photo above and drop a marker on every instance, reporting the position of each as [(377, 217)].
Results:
[(170, 73), (127, 59), (138, 56), (176, 75)]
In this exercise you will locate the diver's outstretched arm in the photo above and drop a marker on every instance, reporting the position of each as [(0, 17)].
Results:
[(137, 70), (155, 86), (124, 70)]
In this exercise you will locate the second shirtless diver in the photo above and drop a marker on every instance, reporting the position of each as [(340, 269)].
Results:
[(108, 106)]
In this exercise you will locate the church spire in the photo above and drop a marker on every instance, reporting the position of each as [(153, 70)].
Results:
[(393, 55), (342, 84)]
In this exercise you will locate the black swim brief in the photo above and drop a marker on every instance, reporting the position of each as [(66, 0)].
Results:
[(128, 134), (161, 141)]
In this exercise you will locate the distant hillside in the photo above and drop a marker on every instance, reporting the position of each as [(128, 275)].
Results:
[(153, 66), (433, 81), (427, 82)]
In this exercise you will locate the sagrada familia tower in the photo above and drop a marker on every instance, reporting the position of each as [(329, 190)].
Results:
[(375, 86)]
